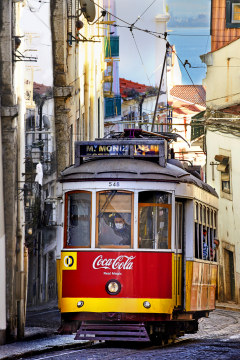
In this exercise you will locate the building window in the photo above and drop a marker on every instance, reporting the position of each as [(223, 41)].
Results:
[(223, 167), (235, 13), (232, 14)]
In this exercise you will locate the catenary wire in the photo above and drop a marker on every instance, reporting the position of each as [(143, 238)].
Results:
[(125, 22), (140, 57), (144, 12), (152, 33), (40, 19), (189, 75)]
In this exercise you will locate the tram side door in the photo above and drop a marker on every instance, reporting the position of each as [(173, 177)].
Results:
[(178, 253)]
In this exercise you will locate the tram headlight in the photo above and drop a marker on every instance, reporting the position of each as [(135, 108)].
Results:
[(80, 304), (113, 287), (147, 304)]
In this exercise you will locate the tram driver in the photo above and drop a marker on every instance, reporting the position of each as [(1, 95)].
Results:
[(122, 229), (117, 231)]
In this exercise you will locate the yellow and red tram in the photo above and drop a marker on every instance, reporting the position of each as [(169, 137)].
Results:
[(136, 253)]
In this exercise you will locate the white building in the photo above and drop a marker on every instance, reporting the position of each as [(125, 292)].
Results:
[(222, 140)]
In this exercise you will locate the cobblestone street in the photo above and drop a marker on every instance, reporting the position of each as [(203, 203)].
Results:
[(218, 338)]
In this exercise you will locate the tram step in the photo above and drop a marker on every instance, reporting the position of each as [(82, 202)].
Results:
[(113, 332)]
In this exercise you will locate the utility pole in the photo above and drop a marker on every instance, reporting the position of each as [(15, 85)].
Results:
[(160, 85)]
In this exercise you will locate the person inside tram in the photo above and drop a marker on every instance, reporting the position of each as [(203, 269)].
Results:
[(114, 230), (122, 229), (213, 252), (205, 246)]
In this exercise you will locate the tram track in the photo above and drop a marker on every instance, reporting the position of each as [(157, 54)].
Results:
[(119, 354), (42, 312), (214, 328)]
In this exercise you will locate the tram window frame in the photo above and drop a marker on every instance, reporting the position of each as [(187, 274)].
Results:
[(178, 229), (167, 205), (97, 246), (66, 246), (204, 219), (211, 229)]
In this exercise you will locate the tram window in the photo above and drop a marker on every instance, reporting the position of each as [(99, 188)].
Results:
[(114, 219), (205, 234), (215, 254), (154, 197), (200, 239), (214, 220), (211, 218), (196, 239), (204, 215), (208, 242), (179, 225), (154, 220), (196, 211), (78, 219), (207, 210)]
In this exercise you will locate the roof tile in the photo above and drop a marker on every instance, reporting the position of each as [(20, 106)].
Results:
[(195, 94)]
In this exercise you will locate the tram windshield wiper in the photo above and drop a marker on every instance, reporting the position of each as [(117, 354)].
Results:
[(107, 202)]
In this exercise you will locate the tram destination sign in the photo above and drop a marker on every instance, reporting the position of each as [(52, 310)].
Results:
[(111, 150), (122, 148)]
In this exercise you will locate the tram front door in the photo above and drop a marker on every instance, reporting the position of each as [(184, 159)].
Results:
[(178, 253)]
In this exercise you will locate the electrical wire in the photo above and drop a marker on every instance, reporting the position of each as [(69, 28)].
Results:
[(139, 17), (207, 43), (130, 26), (32, 9), (140, 57), (223, 97), (204, 100), (40, 20)]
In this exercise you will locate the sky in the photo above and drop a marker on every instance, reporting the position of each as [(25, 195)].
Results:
[(35, 19), (189, 8)]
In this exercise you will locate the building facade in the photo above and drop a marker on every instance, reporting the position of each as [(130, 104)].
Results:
[(13, 251), (221, 139)]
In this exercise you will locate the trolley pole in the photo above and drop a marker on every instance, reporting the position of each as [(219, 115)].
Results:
[(160, 85)]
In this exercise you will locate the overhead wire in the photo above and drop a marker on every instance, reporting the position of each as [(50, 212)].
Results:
[(140, 57), (132, 26), (40, 19), (204, 100), (125, 22), (139, 17)]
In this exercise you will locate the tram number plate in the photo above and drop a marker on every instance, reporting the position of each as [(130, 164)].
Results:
[(114, 184)]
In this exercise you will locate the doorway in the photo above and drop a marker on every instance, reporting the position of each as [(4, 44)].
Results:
[(229, 275)]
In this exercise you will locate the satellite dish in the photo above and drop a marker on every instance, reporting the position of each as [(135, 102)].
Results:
[(88, 9)]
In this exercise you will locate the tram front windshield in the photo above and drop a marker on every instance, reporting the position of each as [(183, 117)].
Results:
[(114, 219)]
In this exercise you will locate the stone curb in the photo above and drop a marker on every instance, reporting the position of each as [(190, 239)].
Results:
[(45, 349)]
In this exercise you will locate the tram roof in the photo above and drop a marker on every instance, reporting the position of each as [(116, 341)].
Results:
[(127, 169)]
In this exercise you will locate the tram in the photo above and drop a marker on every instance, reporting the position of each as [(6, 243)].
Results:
[(136, 255)]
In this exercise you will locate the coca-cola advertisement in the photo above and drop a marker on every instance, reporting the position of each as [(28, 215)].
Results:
[(141, 274), (121, 262)]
